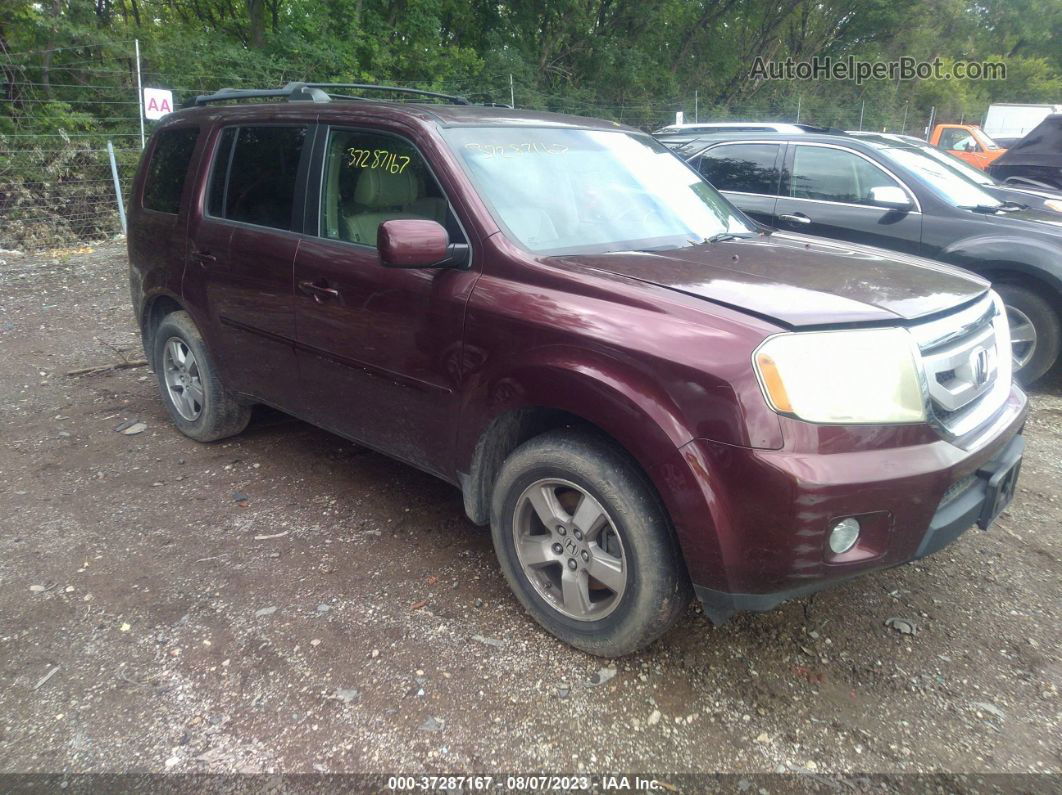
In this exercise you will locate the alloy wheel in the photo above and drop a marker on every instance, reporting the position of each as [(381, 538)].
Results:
[(570, 549), (1022, 337), (183, 380)]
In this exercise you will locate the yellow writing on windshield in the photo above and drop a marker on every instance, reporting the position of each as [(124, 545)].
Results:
[(378, 158), (516, 150)]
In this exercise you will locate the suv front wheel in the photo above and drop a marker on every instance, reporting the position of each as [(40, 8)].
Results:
[(1036, 335), (197, 401), (585, 544)]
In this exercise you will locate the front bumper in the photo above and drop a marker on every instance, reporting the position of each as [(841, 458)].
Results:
[(773, 511)]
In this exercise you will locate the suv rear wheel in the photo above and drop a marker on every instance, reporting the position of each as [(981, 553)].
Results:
[(585, 544), (198, 402), (1035, 331)]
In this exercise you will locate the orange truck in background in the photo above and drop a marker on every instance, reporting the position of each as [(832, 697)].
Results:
[(966, 141)]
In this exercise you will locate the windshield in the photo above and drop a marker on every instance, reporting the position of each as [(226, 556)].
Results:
[(957, 164), (956, 189), (565, 191), (986, 141)]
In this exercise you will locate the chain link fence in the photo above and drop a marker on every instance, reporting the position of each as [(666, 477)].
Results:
[(56, 183)]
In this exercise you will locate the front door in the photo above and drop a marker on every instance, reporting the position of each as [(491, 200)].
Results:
[(244, 244), (826, 192), (379, 348)]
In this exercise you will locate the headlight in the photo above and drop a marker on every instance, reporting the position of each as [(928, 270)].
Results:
[(855, 376), (1053, 204)]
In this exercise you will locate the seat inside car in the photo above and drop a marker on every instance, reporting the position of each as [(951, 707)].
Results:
[(379, 196)]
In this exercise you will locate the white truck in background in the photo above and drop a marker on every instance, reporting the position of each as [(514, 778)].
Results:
[(1007, 123)]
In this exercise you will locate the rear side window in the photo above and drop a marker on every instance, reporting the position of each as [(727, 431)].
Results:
[(168, 168), (253, 179), (748, 168)]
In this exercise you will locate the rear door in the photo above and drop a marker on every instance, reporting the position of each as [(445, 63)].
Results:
[(747, 173), (243, 254), (826, 191), (379, 348)]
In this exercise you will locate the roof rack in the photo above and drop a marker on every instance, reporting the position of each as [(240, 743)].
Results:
[(315, 92)]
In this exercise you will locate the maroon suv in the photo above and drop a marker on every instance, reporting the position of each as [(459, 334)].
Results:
[(644, 393)]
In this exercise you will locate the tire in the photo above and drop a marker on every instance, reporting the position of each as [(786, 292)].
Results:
[(653, 591), (1025, 307), (199, 404)]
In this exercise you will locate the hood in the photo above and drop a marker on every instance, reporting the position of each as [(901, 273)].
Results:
[(1032, 219), (1034, 198), (798, 280)]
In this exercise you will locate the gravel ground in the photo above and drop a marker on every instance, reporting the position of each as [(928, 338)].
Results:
[(286, 601)]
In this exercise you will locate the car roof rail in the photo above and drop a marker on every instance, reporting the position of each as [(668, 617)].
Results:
[(290, 92), (453, 99), (316, 92)]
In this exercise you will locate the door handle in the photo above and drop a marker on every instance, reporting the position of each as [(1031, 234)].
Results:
[(204, 257), (319, 290), (795, 218)]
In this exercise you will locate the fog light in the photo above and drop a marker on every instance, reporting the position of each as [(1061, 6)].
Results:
[(844, 535)]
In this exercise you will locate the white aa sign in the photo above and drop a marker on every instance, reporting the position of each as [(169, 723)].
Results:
[(157, 103)]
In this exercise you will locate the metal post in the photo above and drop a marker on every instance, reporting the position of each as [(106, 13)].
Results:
[(512, 94), (932, 116), (862, 107), (696, 105), (117, 185), (903, 129), (798, 109), (139, 93)]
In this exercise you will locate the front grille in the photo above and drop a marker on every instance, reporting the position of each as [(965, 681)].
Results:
[(966, 376)]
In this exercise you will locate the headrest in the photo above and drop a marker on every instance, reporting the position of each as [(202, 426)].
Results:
[(378, 187)]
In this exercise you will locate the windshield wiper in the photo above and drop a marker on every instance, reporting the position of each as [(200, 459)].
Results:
[(722, 236), (988, 209)]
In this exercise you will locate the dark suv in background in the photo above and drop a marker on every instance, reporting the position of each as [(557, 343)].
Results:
[(882, 191), (644, 395)]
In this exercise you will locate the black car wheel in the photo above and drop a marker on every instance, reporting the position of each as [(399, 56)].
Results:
[(585, 544), (1035, 331), (199, 404)]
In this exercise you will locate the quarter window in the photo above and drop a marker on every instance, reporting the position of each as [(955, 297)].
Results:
[(370, 178), (748, 168), (253, 179), (168, 169), (835, 175)]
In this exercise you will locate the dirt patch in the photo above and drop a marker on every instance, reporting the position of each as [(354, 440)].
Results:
[(371, 630)]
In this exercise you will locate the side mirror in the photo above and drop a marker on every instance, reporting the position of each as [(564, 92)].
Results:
[(890, 196), (418, 243)]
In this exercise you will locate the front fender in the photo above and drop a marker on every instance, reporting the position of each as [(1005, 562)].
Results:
[(987, 254), (631, 409)]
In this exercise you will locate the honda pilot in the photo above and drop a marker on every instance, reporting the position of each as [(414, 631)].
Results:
[(646, 395)]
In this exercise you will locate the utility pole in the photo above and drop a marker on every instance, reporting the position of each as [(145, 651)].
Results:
[(139, 93), (862, 107), (512, 94), (798, 108), (903, 129), (696, 106)]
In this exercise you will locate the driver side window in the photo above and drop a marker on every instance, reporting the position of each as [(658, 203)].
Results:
[(957, 141), (835, 175), (370, 178)]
